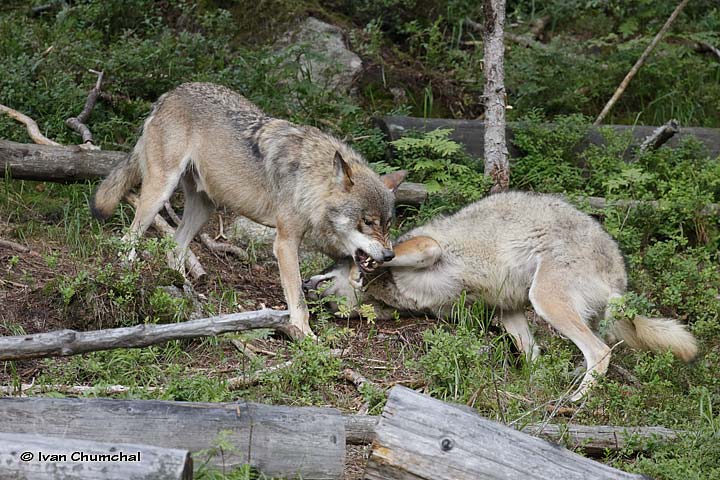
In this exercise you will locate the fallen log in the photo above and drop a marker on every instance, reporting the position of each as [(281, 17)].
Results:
[(62, 343), (69, 164), (419, 437), (596, 440), (593, 440), (360, 429), (471, 133), (287, 442), (28, 389), (45, 458), (26, 161)]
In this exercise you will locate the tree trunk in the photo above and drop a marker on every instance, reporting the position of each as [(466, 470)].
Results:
[(496, 154)]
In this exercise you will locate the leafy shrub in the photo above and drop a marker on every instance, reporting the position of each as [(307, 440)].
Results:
[(441, 164), (312, 371), (127, 294)]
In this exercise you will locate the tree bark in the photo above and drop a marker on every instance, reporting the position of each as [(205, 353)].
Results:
[(26, 161), (496, 154)]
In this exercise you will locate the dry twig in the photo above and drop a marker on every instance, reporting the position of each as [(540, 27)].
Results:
[(17, 247), (78, 123), (359, 381), (31, 126)]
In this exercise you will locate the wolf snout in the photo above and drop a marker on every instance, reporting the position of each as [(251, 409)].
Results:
[(308, 285), (388, 255)]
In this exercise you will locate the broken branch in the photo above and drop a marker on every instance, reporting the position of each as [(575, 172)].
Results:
[(31, 126), (17, 247), (78, 123), (208, 241), (62, 343), (633, 71), (660, 135), (705, 46)]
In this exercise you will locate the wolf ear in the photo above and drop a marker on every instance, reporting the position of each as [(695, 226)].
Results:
[(394, 179), (342, 171)]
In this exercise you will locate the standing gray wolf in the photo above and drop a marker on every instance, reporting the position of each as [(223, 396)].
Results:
[(506, 250), (226, 151)]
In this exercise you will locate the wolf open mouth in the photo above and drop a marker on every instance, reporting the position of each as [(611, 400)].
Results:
[(366, 263)]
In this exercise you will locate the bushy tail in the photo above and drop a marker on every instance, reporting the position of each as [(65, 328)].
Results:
[(121, 179), (657, 334)]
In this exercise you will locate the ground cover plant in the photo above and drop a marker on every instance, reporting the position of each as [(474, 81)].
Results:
[(555, 85)]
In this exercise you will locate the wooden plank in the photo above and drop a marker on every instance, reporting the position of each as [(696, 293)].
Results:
[(360, 429), (71, 342), (593, 440), (420, 437), (44, 458), (288, 442), (471, 133)]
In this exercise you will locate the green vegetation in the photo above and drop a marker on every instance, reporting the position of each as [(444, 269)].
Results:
[(423, 48)]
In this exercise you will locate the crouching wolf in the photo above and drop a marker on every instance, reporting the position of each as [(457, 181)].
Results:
[(506, 250), (226, 151)]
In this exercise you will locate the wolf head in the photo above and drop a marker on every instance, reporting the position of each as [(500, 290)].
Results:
[(361, 212)]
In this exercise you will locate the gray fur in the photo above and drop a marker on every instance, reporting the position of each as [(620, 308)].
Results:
[(226, 151), (510, 250)]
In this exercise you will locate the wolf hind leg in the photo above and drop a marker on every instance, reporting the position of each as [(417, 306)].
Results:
[(196, 212), (157, 188), (551, 296), (517, 326)]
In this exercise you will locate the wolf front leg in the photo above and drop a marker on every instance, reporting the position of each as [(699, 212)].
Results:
[(285, 248)]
